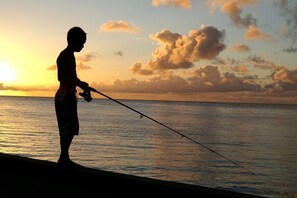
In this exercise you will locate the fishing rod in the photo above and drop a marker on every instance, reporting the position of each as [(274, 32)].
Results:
[(87, 96)]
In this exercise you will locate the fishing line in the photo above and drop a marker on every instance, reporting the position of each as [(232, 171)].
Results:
[(175, 131)]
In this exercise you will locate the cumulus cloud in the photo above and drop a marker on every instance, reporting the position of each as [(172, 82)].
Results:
[(204, 79), (284, 81), (210, 79), (119, 26), (285, 76), (231, 82), (176, 3), (137, 68), (160, 84), (255, 33), (178, 51), (241, 68)]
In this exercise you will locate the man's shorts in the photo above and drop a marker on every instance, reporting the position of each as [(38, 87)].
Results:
[(66, 111)]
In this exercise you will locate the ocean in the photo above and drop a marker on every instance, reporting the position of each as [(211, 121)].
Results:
[(259, 137)]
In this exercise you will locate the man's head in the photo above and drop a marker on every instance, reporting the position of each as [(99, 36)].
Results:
[(76, 38)]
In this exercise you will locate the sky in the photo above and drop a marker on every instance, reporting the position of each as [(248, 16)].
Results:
[(189, 50)]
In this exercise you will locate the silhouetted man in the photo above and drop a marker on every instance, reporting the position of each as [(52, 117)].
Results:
[(65, 98)]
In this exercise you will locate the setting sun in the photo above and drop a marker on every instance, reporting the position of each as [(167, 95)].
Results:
[(6, 73)]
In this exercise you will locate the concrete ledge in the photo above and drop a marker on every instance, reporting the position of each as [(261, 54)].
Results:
[(25, 177)]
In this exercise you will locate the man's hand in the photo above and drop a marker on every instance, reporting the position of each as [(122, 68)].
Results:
[(84, 85)]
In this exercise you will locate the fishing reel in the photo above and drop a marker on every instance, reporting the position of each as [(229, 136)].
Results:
[(86, 94)]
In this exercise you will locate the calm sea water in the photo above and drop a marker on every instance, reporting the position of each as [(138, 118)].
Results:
[(262, 138)]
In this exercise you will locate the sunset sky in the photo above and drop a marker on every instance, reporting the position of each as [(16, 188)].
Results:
[(194, 50)]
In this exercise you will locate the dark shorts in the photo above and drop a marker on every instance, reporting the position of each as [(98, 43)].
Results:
[(66, 111)]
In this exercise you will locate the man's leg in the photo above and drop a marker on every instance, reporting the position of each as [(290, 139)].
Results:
[(65, 142)]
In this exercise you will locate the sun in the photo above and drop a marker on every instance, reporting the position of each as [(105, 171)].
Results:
[(6, 73)]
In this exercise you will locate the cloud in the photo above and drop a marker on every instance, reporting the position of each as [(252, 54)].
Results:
[(289, 10), (231, 64), (209, 83), (204, 79), (285, 76), (234, 9), (160, 84), (81, 61), (178, 51), (231, 82), (240, 48), (281, 80), (119, 26), (176, 3), (290, 50), (240, 68), (87, 56), (119, 53), (205, 83), (26, 88), (255, 33), (84, 59), (284, 82), (137, 68), (52, 68), (210, 79), (260, 63)]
